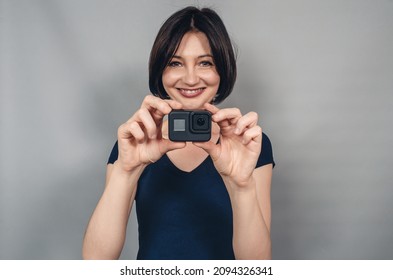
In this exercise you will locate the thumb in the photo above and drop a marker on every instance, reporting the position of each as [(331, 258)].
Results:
[(169, 145), (211, 148)]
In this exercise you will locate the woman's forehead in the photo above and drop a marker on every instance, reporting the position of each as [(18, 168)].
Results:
[(194, 43)]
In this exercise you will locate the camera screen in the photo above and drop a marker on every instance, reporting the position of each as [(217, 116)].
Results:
[(179, 125)]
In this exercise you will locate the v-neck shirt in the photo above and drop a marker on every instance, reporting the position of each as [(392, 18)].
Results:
[(185, 215)]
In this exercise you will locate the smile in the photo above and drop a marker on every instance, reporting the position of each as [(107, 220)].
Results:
[(190, 92)]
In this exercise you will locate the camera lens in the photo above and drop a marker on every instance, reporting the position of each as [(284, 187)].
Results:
[(201, 121)]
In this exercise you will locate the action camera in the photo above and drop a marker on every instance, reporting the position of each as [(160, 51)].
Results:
[(192, 126)]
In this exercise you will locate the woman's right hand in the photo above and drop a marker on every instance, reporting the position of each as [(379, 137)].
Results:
[(140, 139)]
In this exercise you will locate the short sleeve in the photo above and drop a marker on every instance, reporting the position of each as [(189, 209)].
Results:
[(266, 156), (114, 154)]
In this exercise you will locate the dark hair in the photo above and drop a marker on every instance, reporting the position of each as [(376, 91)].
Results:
[(168, 39)]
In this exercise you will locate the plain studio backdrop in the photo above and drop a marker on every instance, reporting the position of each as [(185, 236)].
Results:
[(319, 73)]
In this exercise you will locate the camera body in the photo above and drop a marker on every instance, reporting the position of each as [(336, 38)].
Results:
[(193, 126)]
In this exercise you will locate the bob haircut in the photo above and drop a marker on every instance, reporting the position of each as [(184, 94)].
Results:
[(169, 37)]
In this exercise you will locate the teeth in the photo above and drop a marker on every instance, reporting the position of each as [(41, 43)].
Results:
[(191, 91)]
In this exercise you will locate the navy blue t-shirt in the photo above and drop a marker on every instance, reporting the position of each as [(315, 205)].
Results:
[(185, 215)]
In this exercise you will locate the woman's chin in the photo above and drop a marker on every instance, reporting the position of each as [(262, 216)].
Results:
[(193, 107), (193, 104)]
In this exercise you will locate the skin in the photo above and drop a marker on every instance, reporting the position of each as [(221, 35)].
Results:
[(192, 68), (191, 80)]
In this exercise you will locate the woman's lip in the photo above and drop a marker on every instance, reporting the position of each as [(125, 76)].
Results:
[(190, 92)]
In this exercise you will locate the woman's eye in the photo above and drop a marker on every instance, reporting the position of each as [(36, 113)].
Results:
[(174, 64), (206, 63)]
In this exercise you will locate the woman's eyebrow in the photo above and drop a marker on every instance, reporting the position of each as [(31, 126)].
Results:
[(205, 55), (199, 56)]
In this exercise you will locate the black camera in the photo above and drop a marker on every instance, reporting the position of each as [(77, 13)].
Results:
[(192, 126)]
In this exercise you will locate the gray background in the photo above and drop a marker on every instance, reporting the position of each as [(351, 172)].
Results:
[(320, 74)]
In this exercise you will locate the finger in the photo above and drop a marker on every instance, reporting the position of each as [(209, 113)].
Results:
[(157, 106), (214, 150), (211, 108), (149, 124), (220, 119), (137, 132), (131, 130), (252, 134), (174, 104), (167, 145), (229, 114), (247, 121), (226, 118)]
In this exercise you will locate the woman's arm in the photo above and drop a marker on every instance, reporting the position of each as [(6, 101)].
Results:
[(106, 231), (140, 143), (252, 215), (235, 158)]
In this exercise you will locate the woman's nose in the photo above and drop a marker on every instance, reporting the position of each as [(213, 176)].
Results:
[(191, 76)]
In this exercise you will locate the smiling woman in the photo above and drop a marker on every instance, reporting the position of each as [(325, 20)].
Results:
[(212, 40), (191, 76), (202, 200)]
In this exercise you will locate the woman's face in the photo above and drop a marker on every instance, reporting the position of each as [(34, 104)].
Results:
[(191, 77)]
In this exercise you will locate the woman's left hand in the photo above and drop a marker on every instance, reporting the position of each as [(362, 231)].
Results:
[(236, 155)]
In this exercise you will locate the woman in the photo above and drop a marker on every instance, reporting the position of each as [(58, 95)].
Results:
[(202, 200)]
